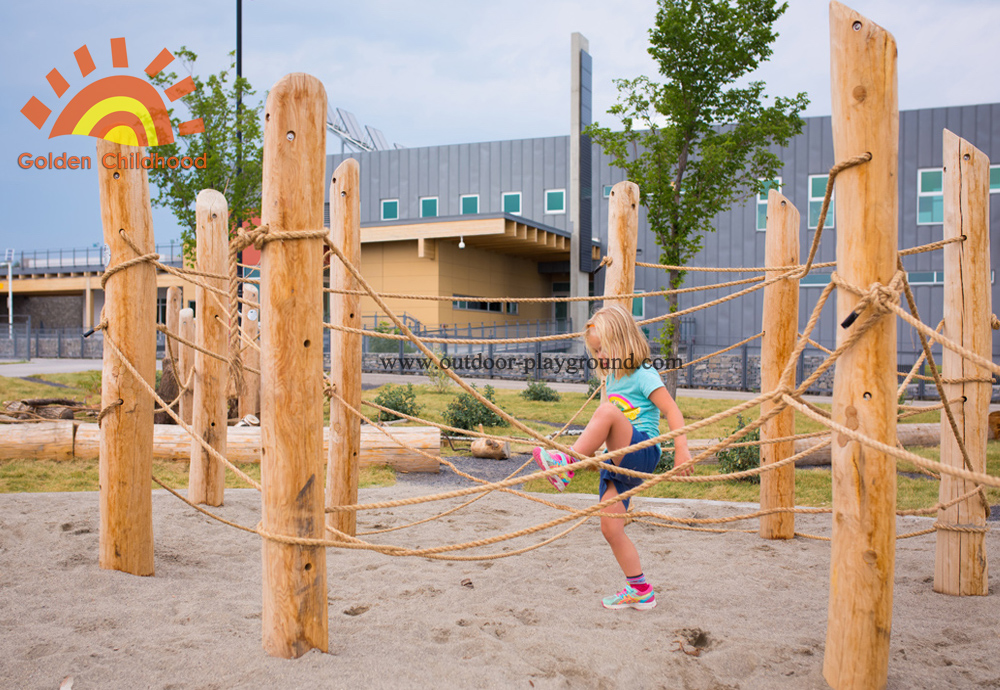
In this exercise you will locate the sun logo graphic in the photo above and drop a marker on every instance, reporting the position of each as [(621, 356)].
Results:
[(122, 108)]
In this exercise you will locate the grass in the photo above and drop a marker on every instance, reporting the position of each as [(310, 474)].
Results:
[(813, 486)]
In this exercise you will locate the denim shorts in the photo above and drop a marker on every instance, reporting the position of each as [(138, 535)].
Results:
[(644, 460)]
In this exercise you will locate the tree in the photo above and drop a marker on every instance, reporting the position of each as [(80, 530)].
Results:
[(232, 142), (697, 143)]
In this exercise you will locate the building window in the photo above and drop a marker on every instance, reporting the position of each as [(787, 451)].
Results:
[(161, 310), (511, 203), (469, 204), (475, 304), (390, 209), (639, 306), (817, 191), (429, 207), (994, 179), (762, 200), (930, 196), (512, 308), (607, 191), (555, 201)]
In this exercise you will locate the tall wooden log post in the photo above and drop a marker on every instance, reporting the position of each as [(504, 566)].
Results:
[(780, 325), (960, 563), (207, 475), (174, 304), (249, 398), (291, 339), (623, 233), (345, 348), (862, 558), (126, 462), (185, 364)]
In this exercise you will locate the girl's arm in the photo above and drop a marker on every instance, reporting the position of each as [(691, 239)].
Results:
[(668, 408)]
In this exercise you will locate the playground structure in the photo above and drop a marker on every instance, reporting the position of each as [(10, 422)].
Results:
[(300, 520)]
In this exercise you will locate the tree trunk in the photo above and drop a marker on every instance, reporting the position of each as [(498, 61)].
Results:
[(669, 343)]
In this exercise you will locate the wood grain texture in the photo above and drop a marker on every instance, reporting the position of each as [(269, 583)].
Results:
[(207, 475), (960, 565), (345, 348), (185, 359), (623, 231), (42, 440), (780, 326), (862, 559), (294, 616), (126, 537), (250, 327), (172, 442)]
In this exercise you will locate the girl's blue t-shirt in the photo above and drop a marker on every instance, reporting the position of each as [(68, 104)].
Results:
[(631, 395)]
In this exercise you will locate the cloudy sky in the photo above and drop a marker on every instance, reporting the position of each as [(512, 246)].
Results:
[(425, 73)]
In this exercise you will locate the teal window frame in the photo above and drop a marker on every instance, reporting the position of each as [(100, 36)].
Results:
[(462, 206), (639, 302), (930, 201), (995, 179), (607, 191), (510, 195), (816, 202), (393, 203), (761, 207), (551, 194), (424, 201)]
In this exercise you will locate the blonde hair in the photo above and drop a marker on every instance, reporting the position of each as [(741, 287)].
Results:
[(623, 343)]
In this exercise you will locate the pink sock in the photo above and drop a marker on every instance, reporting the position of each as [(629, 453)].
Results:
[(643, 588)]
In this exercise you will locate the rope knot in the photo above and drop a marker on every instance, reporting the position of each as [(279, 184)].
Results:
[(257, 236), (879, 296)]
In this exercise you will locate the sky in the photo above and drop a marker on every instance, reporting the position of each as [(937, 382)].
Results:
[(427, 73)]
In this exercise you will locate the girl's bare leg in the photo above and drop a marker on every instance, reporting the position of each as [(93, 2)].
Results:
[(609, 427), (613, 530)]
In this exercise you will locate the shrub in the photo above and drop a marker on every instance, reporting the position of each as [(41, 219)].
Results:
[(439, 379), (466, 412), (742, 458), (399, 398), (592, 385), (539, 390), (385, 345), (666, 462)]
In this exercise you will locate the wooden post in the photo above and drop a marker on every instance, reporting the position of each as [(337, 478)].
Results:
[(345, 348), (126, 465), (173, 326), (623, 231), (960, 563), (291, 338), (185, 364), (862, 558), (249, 325), (780, 326), (207, 476)]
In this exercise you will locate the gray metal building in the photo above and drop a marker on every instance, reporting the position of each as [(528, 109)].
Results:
[(535, 168)]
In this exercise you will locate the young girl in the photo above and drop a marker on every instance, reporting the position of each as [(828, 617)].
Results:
[(635, 399)]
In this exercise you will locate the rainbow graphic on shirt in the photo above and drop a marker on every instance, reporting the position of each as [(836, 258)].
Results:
[(122, 108), (625, 406)]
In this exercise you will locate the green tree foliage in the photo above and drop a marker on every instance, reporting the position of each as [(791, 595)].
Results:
[(697, 142), (232, 142)]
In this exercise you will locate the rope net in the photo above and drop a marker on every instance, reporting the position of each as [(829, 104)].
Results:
[(877, 302)]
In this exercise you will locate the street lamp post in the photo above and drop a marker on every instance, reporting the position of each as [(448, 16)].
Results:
[(9, 259)]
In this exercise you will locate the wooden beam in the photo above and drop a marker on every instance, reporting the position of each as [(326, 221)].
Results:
[(294, 618), (960, 565), (780, 325), (862, 558), (207, 474), (126, 507), (249, 394), (623, 229), (426, 248)]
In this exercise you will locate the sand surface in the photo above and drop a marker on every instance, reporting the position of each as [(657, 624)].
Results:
[(756, 609)]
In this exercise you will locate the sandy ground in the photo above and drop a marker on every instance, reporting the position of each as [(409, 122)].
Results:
[(756, 609)]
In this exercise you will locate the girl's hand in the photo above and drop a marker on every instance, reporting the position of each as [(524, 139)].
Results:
[(682, 456)]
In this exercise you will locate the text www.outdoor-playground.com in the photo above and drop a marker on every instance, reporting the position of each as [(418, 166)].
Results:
[(523, 364)]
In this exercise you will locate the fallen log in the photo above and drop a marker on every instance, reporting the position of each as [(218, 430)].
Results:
[(44, 440), (488, 448), (922, 434), (171, 442)]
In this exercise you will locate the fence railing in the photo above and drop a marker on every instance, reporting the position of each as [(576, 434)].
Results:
[(78, 259)]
